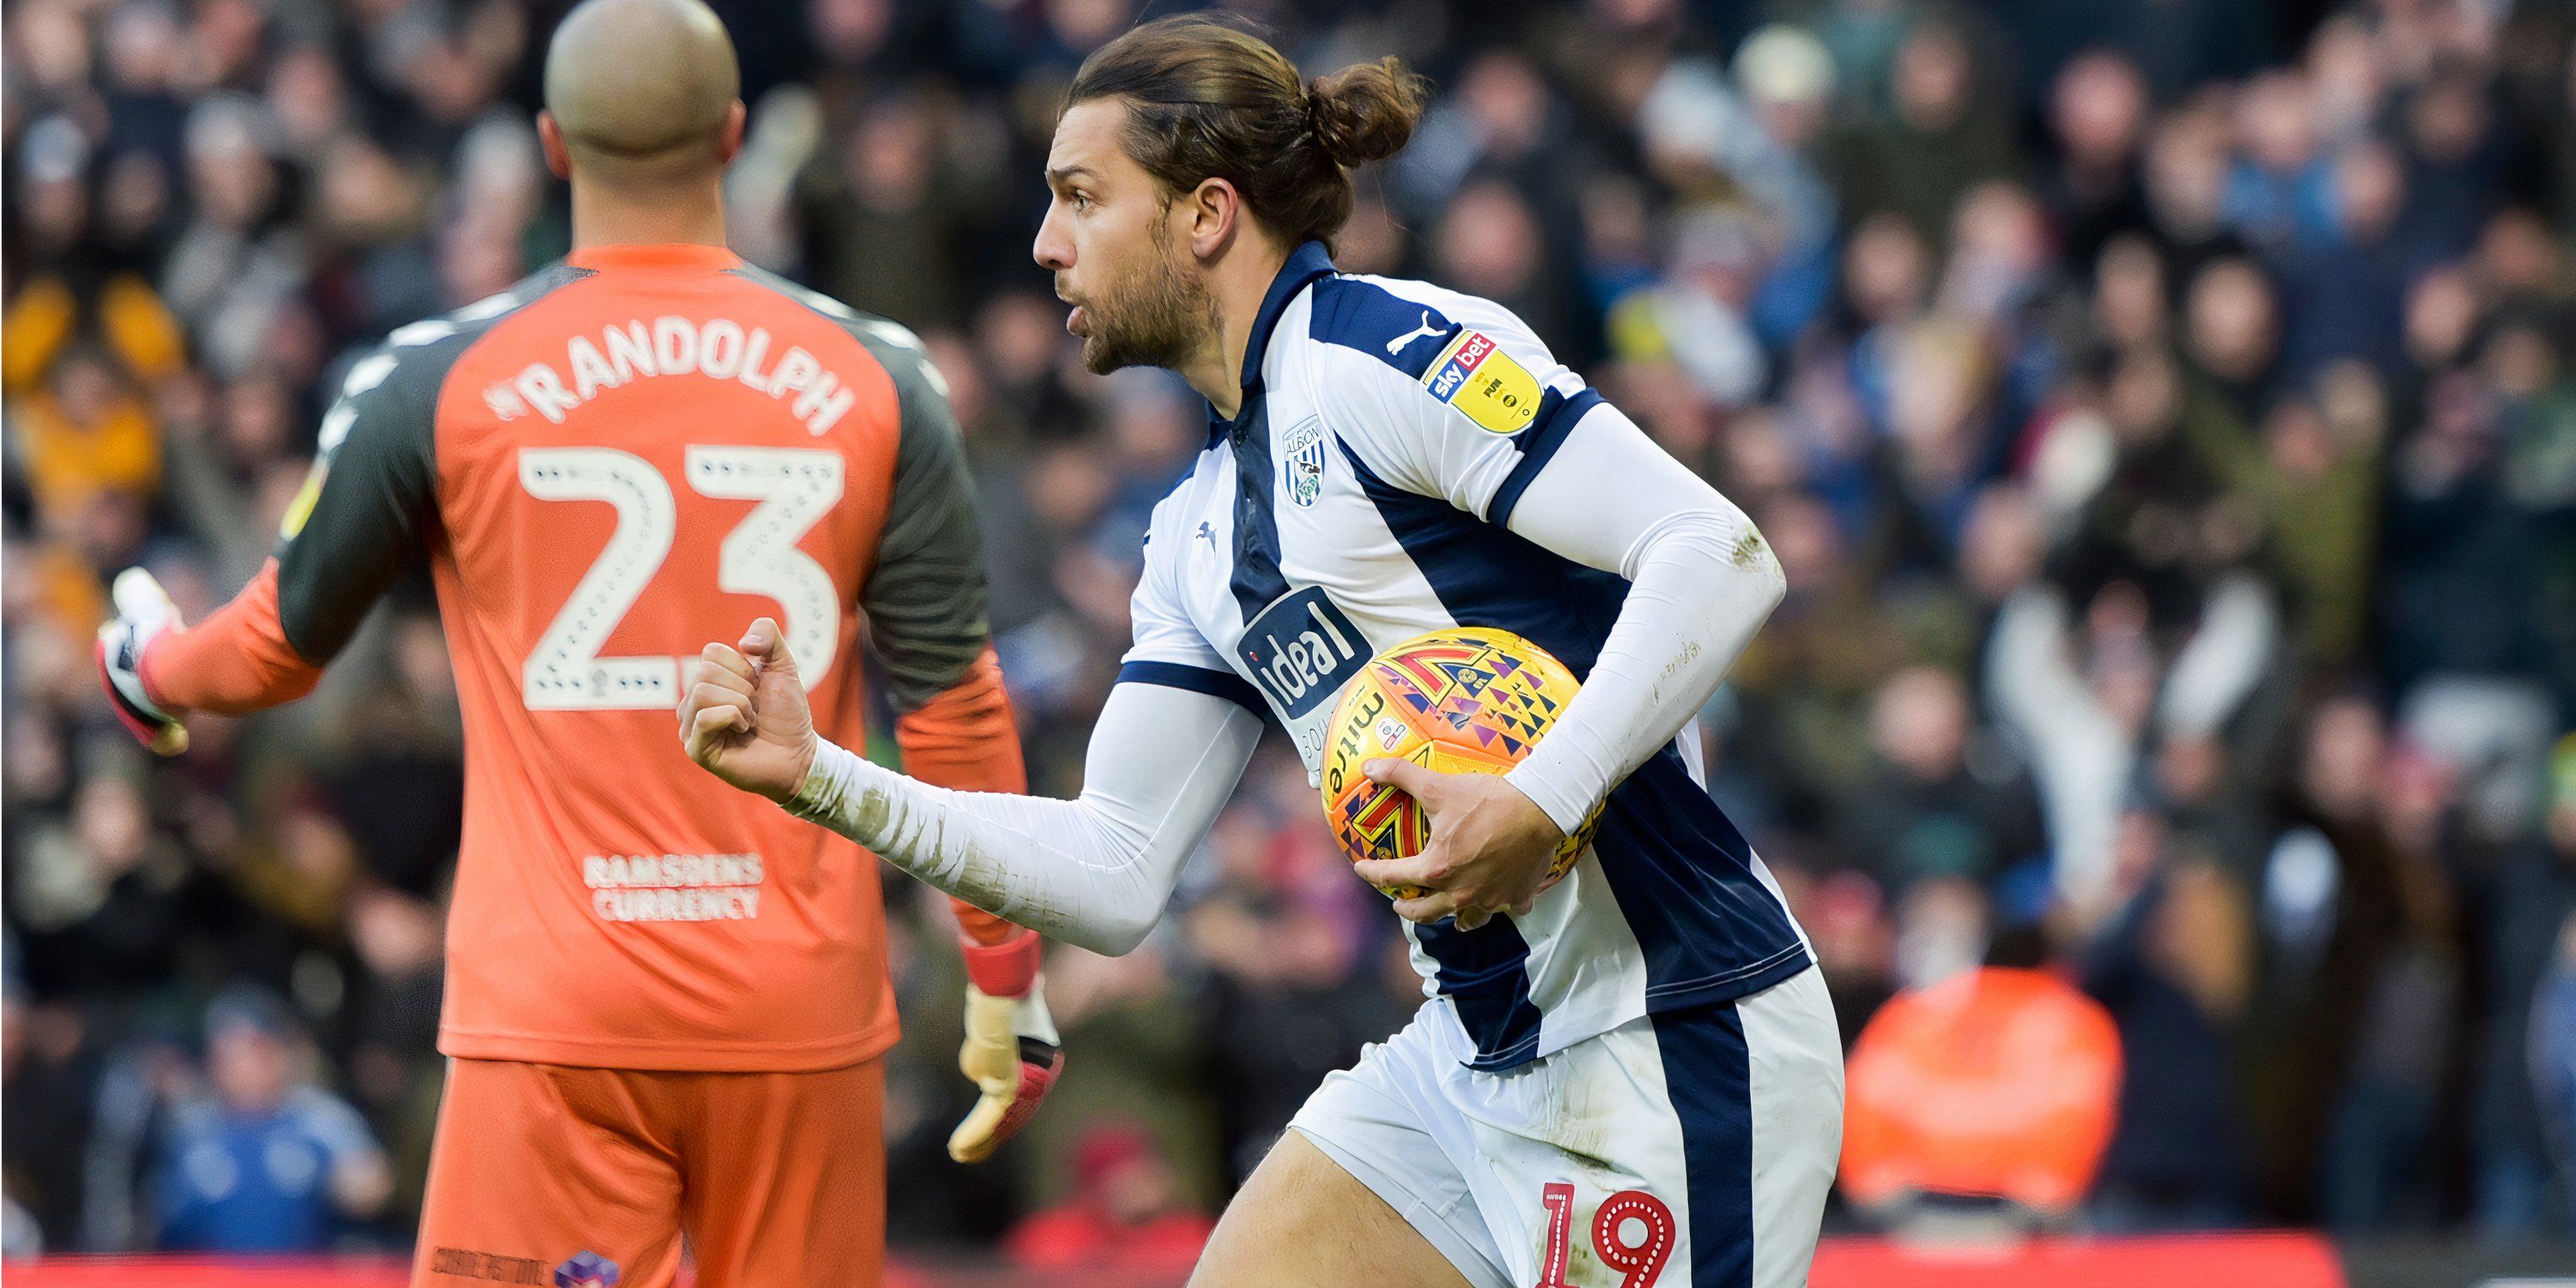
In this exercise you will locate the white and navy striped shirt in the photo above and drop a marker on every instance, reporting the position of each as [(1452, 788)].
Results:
[(1363, 495)]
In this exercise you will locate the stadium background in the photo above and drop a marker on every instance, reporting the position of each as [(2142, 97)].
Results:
[(2162, 408)]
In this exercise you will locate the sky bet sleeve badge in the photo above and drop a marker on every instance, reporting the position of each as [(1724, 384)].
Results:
[(1475, 376)]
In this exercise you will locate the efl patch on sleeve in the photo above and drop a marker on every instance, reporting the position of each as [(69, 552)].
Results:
[(301, 508), (1475, 376)]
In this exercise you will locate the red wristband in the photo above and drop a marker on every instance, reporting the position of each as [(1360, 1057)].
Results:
[(1006, 969)]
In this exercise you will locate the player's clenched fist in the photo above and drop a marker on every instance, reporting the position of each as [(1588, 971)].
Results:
[(744, 716)]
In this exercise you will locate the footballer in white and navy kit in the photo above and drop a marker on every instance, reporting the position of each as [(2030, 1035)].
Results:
[(1362, 497), (1626, 1079), (1637, 1082)]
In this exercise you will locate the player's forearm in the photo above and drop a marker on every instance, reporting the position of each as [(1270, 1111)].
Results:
[(1095, 871), (236, 661), (1010, 855), (1702, 582)]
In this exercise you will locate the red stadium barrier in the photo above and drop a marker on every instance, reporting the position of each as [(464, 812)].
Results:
[(2199, 1261), (210, 1272), (2282, 1260)]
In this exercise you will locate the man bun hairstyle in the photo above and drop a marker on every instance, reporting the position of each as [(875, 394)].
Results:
[(1365, 112), (1207, 100)]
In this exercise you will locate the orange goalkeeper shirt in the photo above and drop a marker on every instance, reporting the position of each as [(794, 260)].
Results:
[(632, 453)]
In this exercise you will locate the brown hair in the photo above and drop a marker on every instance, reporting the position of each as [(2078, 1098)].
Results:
[(1211, 101)]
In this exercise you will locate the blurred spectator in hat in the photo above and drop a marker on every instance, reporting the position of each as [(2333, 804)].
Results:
[(2346, 283), (2553, 1057), (2388, 1110), (2098, 113), (263, 1160), (1935, 804), (2174, 968), (2455, 155), (1941, 134), (2311, 471), (1125, 1218), (1698, 319), (2279, 189), (2187, 191), (2525, 1072), (88, 435), (49, 1068), (1787, 79)]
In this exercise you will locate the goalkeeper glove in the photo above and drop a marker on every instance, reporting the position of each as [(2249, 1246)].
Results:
[(143, 612), (1012, 1053)]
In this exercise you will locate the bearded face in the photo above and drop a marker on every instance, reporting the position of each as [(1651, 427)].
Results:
[(1151, 312)]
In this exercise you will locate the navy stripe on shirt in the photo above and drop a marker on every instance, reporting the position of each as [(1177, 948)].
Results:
[(1368, 318), (1538, 443), (1197, 679)]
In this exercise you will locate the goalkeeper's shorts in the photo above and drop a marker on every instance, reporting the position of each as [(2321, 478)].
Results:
[(1687, 1150), (589, 1178)]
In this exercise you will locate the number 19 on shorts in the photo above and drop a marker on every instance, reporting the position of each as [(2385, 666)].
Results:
[(1633, 1234)]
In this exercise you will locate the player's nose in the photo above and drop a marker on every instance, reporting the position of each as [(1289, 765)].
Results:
[(1054, 250)]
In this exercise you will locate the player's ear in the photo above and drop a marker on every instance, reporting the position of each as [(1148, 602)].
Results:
[(1215, 213), (730, 144), (550, 138)]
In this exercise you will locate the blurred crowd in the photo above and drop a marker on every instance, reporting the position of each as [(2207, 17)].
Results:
[(2163, 409)]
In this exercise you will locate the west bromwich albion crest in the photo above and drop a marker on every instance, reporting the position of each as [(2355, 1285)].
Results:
[(1303, 461)]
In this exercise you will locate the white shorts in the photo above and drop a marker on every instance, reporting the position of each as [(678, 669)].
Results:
[(1690, 1150)]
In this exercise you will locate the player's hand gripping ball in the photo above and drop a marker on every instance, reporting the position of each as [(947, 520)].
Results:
[(1464, 699)]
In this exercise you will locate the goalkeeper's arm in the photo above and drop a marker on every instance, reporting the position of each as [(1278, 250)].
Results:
[(361, 521)]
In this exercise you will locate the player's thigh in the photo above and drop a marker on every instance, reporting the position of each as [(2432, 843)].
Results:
[(548, 1175), (1302, 1220), (786, 1178)]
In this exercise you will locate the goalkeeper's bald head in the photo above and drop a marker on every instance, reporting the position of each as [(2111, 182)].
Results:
[(644, 94)]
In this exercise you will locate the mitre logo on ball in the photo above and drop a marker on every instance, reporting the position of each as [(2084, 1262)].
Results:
[(1462, 699)]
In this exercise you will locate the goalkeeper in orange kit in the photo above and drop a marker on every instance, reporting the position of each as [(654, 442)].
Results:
[(666, 1005)]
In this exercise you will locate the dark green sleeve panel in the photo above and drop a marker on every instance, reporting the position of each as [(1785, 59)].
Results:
[(925, 597), (374, 498), (375, 501)]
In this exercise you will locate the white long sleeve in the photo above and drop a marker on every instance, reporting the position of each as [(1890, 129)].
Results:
[(1702, 582), (1095, 871)]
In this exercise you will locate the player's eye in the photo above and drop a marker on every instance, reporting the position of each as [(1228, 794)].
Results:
[(1082, 201)]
